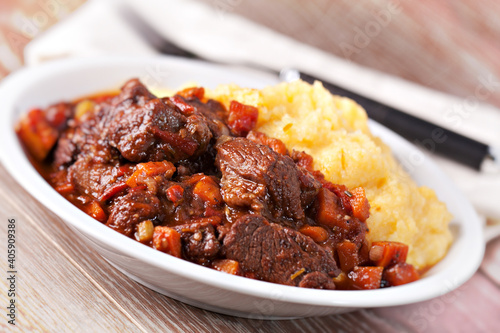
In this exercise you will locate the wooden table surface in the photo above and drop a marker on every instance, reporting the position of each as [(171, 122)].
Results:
[(63, 286)]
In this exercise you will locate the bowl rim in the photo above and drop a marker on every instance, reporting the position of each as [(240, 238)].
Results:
[(12, 155)]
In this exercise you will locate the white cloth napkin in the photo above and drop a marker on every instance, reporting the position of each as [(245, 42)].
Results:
[(99, 27)]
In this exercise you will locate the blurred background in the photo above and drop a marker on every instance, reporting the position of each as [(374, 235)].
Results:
[(429, 42), (449, 46)]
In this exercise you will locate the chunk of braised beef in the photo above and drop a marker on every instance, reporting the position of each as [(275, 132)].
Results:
[(309, 185), (85, 138), (256, 178), (138, 205), (199, 241), (317, 280), (214, 113), (65, 151), (91, 178), (155, 131), (309, 188), (204, 163), (135, 91), (273, 253)]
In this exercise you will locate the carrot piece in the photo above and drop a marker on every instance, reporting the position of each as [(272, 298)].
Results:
[(227, 266), (166, 239), (318, 234), (242, 118), (348, 255), (359, 204), (400, 273), (175, 193), (65, 188), (328, 211), (208, 190), (342, 282), (388, 253), (366, 277), (37, 134), (364, 253), (150, 169), (95, 210)]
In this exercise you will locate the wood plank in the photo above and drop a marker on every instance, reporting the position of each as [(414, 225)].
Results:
[(50, 298), (447, 46), (491, 263), (473, 307)]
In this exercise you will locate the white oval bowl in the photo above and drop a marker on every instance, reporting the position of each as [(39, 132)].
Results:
[(186, 281)]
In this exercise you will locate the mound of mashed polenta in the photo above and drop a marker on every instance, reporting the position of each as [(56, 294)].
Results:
[(334, 130)]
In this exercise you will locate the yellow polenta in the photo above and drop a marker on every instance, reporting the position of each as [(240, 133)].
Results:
[(335, 132)]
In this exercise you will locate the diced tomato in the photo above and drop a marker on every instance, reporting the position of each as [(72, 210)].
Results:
[(124, 169), (242, 118), (400, 273), (166, 239), (227, 265), (112, 191), (182, 105), (275, 144), (95, 210), (318, 234), (216, 212), (37, 134), (194, 92), (175, 193), (208, 190), (341, 192), (388, 253), (150, 169), (303, 160), (186, 145), (366, 277), (359, 204), (348, 255)]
